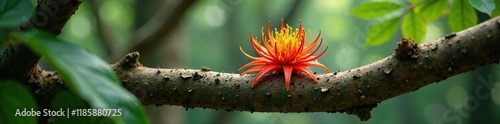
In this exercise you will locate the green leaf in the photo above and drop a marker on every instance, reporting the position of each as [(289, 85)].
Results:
[(462, 15), (432, 9), (413, 26), (496, 11), (68, 101), (17, 98), (382, 32), (87, 75), (14, 12), (413, 1), (370, 10), (484, 6)]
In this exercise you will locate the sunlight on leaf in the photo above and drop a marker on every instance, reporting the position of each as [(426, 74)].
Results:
[(382, 32), (413, 27), (462, 16), (86, 74), (370, 10), (484, 6)]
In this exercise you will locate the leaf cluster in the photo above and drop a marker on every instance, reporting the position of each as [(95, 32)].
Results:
[(413, 16)]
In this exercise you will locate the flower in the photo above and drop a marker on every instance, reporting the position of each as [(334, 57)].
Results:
[(285, 51)]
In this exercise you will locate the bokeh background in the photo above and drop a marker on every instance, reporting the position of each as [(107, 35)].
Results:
[(196, 33)]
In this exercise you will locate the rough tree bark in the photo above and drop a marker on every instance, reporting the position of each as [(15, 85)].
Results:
[(354, 91)]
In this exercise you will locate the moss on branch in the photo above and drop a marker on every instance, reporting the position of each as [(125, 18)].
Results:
[(355, 91)]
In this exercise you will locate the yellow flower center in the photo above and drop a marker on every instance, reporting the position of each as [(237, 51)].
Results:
[(284, 51), (287, 44)]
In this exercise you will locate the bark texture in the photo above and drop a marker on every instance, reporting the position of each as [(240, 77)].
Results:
[(354, 91)]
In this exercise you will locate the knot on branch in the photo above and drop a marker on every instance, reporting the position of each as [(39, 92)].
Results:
[(130, 61), (406, 49)]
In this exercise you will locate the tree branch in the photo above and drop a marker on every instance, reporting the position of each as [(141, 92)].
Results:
[(354, 91)]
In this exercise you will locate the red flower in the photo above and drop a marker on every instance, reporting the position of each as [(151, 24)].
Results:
[(285, 51)]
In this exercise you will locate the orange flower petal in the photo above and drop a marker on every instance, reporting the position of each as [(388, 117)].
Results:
[(284, 51)]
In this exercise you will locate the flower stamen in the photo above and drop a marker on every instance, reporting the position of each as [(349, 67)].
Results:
[(285, 51)]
